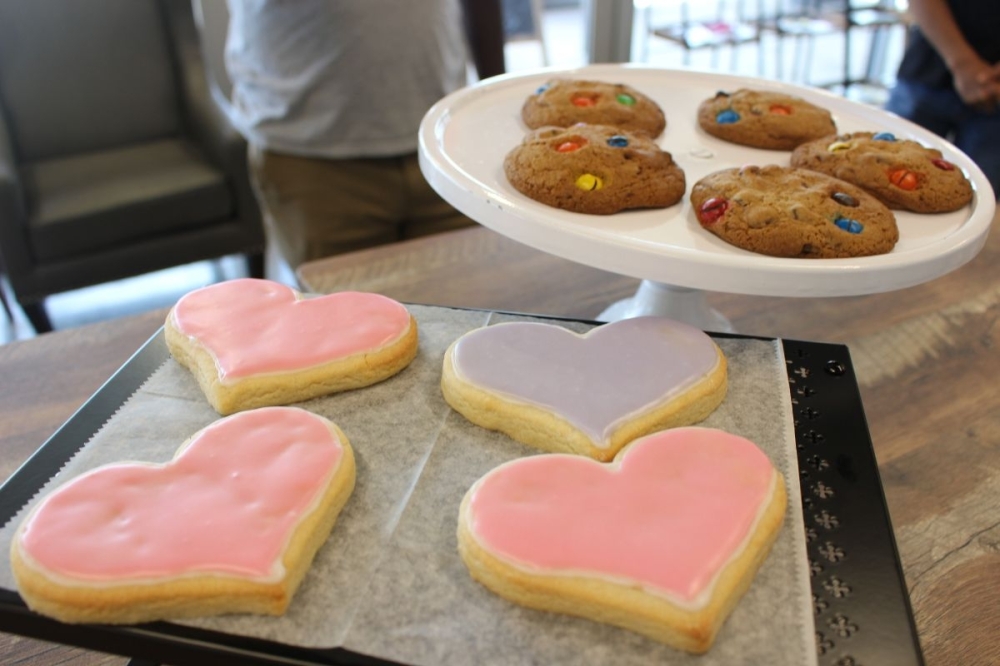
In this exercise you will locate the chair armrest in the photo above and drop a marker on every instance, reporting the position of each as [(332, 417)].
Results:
[(8, 164), (203, 108), (13, 210), (203, 105)]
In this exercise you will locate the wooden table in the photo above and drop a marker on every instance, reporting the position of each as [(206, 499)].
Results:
[(926, 357)]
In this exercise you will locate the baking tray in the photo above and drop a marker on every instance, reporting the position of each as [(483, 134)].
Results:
[(861, 609)]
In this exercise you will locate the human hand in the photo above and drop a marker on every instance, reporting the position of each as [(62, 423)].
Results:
[(978, 84)]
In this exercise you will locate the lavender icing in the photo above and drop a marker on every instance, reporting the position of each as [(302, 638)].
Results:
[(595, 380)]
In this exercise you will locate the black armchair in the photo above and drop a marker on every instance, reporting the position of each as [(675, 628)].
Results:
[(115, 157)]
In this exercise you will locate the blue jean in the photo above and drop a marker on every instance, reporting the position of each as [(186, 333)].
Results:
[(942, 111)]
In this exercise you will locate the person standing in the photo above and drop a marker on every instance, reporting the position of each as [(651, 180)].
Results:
[(330, 95), (949, 78)]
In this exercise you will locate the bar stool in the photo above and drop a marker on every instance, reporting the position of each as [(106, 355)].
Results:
[(727, 24), (3, 295), (522, 21), (803, 22), (808, 19)]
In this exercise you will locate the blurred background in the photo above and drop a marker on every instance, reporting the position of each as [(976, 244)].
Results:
[(851, 47)]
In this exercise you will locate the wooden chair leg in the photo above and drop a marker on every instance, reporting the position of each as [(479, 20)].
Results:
[(38, 317)]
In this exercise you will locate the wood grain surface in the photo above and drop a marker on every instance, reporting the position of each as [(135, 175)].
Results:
[(926, 359), (43, 381)]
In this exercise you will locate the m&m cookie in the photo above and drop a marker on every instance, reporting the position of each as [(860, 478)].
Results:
[(901, 173), (788, 212), (565, 102), (764, 119), (594, 169)]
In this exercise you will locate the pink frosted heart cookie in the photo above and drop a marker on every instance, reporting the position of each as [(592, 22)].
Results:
[(253, 343), (590, 394), (663, 541), (230, 525)]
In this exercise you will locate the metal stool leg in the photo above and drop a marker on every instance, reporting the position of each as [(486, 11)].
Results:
[(38, 317), (5, 304)]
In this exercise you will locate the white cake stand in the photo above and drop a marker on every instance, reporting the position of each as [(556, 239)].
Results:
[(464, 138)]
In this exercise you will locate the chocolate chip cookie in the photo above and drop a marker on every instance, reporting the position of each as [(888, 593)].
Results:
[(565, 102), (901, 173), (788, 212), (594, 169), (764, 119)]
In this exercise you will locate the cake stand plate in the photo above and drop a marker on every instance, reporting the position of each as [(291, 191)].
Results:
[(465, 137)]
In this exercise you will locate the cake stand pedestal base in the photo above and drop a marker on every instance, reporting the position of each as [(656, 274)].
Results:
[(666, 300)]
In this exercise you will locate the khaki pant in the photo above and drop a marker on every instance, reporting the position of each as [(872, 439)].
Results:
[(315, 208)]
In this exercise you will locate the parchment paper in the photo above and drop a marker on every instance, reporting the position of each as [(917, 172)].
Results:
[(389, 582)]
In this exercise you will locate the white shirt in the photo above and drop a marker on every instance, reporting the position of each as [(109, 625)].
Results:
[(341, 78)]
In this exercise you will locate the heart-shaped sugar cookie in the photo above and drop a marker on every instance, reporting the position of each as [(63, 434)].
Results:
[(591, 394), (231, 524), (663, 541), (252, 343)]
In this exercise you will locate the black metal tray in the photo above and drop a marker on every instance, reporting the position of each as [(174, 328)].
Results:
[(861, 609)]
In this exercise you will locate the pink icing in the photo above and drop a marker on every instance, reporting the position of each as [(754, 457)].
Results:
[(668, 515), (595, 380), (226, 504), (256, 326)]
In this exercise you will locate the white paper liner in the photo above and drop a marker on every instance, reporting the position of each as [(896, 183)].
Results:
[(390, 583)]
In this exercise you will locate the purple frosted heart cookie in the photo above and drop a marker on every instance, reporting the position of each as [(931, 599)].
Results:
[(588, 394)]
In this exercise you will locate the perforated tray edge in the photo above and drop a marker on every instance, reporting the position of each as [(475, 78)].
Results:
[(860, 604)]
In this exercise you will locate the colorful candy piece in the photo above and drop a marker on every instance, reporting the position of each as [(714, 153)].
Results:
[(781, 109), (844, 199), (584, 101), (944, 165), (904, 179), (542, 89), (618, 141), (727, 117), (570, 146), (589, 182), (849, 225), (627, 100), (712, 210), (838, 146), (884, 136)]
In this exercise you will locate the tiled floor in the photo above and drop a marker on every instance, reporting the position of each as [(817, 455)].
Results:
[(564, 43)]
